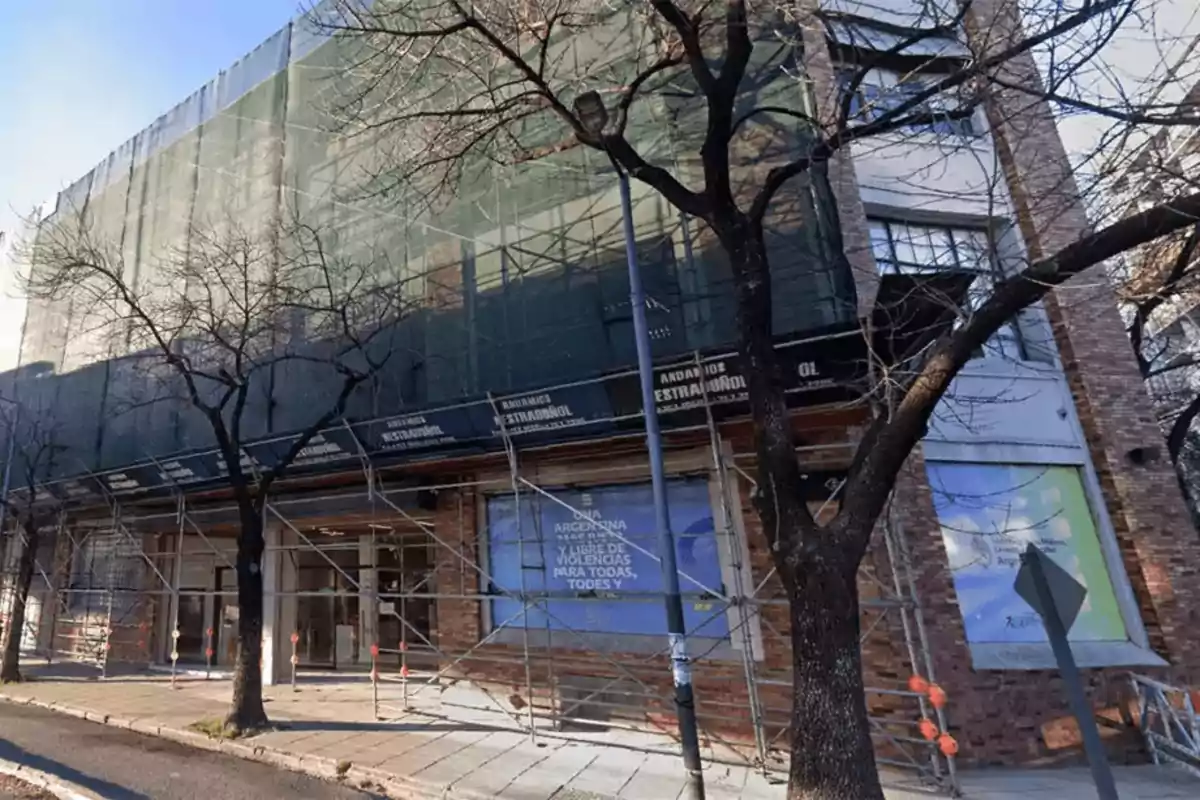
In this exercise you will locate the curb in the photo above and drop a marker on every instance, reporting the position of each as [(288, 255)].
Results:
[(366, 779), (46, 781)]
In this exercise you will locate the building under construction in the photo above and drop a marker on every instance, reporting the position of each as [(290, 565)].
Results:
[(476, 532)]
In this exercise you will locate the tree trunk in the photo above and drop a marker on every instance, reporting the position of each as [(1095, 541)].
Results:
[(832, 754), (247, 713), (10, 658)]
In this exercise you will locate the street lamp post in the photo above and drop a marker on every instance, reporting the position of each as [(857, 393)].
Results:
[(593, 115)]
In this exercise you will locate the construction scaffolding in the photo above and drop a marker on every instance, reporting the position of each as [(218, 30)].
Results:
[(441, 581), (450, 596)]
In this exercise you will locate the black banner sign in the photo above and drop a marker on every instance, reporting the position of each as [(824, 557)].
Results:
[(815, 371)]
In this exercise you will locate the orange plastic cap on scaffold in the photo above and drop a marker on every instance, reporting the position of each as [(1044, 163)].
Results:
[(929, 729), (404, 647), (295, 637), (374, 650), (374, 676), (937, 696), (918, 684), (208, 653), (209, 632), (404, 671), (948, 745)]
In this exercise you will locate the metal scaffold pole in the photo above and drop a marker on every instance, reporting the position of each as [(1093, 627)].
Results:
[(176, 579), (514, 477), (735, 551)]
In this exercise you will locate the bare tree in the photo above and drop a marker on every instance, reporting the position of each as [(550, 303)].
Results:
[(1159, 283), (211, 321), (27, 514), (442, 86), (1161, 298)]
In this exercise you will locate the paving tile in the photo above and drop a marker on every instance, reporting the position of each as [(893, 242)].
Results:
[(482, 755), (724, 781), (356, 743), (607, 774), (498, 774), (323, 742), (545, 778), (391, 749), (286, 740), (659, 776), (762, 787), (433, 751)]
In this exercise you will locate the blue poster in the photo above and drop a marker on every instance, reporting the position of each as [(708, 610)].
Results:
[(989, 514), (588, 563)]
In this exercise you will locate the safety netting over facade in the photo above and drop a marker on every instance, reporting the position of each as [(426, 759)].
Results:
[(475, 533)]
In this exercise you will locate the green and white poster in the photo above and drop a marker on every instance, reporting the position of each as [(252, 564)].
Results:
[(988, 514)]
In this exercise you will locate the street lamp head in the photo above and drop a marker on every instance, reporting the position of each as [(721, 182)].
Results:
[(593, 116)]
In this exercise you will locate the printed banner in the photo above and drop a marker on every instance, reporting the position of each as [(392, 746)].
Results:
[(815, 371), (988, 514), (598, 545)]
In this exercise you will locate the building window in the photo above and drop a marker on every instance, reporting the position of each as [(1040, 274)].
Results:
[(913, 249), (989, 514), (580, 560), (882, 91)]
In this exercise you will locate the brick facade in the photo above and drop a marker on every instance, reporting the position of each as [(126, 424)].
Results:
[(641, 682)]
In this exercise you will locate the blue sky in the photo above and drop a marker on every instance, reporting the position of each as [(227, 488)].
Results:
[(79, 77)]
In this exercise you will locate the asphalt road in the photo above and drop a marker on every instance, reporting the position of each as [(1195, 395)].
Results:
[(123, 765)]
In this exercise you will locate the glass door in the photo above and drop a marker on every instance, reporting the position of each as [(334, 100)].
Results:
[(315, 617)]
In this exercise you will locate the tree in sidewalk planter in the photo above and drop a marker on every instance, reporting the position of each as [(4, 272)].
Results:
[(711, 106), (27, 516), (216, 325)]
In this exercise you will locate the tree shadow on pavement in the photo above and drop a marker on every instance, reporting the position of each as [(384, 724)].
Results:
[(110, 791)]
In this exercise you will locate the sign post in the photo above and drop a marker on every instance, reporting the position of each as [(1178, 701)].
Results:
[(1057, 597)]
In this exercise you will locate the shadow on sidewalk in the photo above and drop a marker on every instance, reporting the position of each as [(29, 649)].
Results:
[(397, 727), (110, 791)]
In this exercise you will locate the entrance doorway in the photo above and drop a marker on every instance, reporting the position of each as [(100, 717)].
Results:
[(192, 622), (327, 604), (406, 607), (327, 618)]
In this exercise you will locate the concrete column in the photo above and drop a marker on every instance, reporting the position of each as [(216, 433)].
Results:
[(272, 649), (368, 604), (288, 581)]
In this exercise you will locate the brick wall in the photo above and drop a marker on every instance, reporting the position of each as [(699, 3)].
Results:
[(642, 681), (1035, 726)]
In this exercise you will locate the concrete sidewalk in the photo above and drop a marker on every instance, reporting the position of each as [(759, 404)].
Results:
[(328, 729)]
